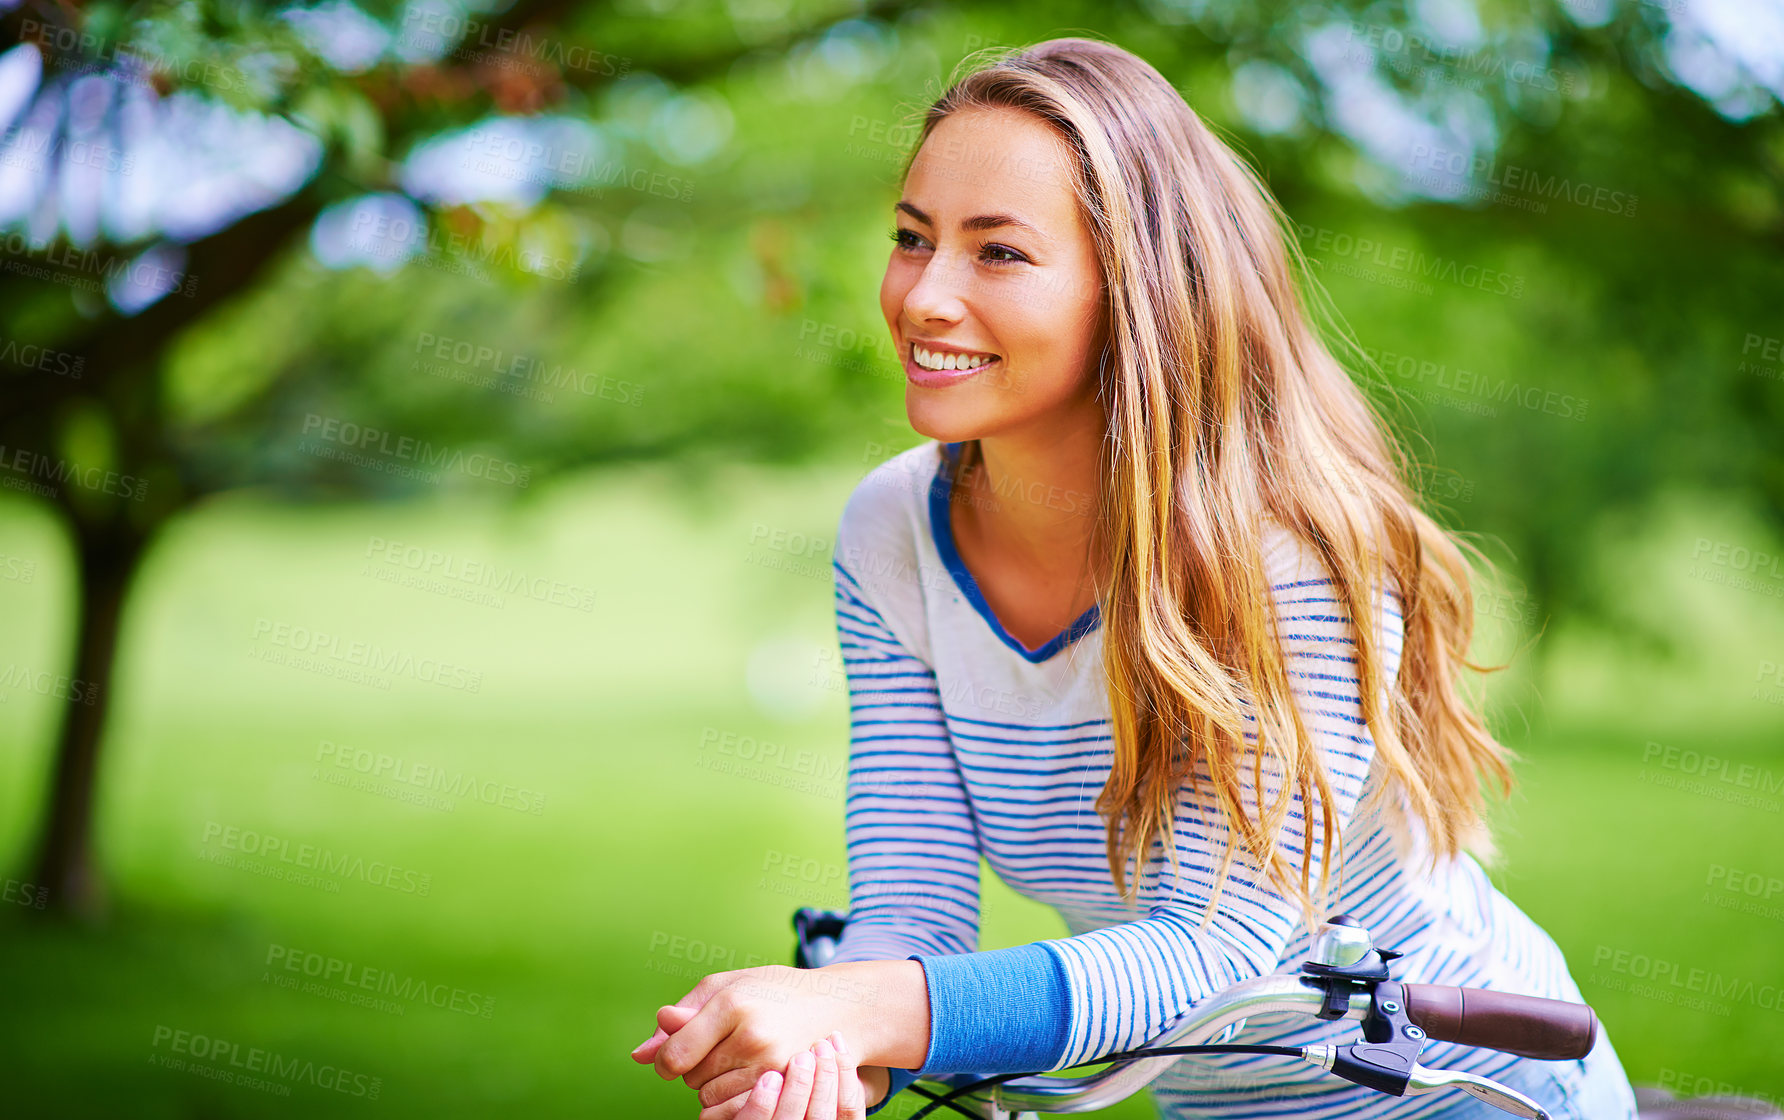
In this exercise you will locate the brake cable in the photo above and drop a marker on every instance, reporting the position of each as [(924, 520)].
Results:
[(1119, 1057)]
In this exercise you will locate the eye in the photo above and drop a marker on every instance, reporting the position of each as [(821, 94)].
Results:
[(907, 239), (898, 236)]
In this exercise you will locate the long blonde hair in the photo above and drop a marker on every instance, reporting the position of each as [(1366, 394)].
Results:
[(1224, 405)]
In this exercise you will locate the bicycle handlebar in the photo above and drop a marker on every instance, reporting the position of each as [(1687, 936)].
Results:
[(1216, 1019), (1528, 1026), (1347, 977)]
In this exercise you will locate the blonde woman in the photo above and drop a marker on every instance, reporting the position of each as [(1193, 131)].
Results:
[(1101, 632)]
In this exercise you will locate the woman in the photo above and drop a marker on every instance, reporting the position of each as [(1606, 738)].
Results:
[(1130, 561)]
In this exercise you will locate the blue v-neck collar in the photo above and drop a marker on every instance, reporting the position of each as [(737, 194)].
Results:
[(942, 529)]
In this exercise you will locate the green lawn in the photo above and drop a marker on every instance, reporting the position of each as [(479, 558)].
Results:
[(645, 866)]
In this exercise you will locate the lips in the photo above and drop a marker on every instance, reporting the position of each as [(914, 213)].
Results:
[(940, 378)]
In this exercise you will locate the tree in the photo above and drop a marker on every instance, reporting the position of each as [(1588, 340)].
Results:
[(152, 466), (127, 445)]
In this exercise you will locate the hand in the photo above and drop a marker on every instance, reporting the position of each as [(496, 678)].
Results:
[(676, 1018), (876, 1082), (822, 1083), (735, 1026)]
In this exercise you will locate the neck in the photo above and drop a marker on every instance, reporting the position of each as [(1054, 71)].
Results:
[(1036, 495)]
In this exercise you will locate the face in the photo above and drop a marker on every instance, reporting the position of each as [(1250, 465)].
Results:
[(993, 260)]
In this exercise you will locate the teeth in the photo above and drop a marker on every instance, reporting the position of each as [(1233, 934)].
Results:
[(933, 359)]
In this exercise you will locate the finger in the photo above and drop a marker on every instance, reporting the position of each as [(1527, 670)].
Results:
[(707, 987), (797, 1094), (690, 1045), (729, 1084), (726, 1058), (728, 1109), (646, 1051), (675, 1016), (851, 1103), (823, 1085), (763, 1098), (670, 1019)]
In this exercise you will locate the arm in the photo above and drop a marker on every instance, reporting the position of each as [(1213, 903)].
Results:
[(912, 844), (1119, 987)]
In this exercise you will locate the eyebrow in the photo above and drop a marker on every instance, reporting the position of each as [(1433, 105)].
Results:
[(973, 225)]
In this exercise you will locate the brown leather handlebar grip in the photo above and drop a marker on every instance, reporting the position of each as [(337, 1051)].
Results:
[(1529, 1026)]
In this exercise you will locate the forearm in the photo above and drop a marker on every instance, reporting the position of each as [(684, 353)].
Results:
[(889, 1011)]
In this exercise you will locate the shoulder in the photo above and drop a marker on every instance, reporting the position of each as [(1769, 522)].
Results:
[(1293, 565), (1307, 601), (891, 492), (882, 557), (886, 511), (1290, 562)]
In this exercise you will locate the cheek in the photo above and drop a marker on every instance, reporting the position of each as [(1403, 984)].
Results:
[(894, 286), (1077, 339), (1057, 381), (1053, 351)]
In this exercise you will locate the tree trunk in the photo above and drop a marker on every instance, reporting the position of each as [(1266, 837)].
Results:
[(107, 558)]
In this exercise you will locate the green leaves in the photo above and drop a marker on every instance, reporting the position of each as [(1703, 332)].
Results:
[(347, 122)]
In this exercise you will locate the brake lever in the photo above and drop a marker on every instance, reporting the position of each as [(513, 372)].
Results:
[(1426, 1080), (1386, 1059)]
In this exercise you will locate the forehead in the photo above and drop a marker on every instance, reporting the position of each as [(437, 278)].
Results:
[(980, 160)]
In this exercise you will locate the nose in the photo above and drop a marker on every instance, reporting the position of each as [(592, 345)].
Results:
[(939, 295)]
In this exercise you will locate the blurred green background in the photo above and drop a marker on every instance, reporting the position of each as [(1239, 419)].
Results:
[(614, 270)]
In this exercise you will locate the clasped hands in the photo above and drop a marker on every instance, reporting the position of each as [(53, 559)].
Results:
[(745, 1041)]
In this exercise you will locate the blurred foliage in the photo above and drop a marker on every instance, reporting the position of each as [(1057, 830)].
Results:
[(714, 291), (723, 304)]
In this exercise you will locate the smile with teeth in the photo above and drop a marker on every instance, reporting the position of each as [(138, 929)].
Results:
[(940, 360)]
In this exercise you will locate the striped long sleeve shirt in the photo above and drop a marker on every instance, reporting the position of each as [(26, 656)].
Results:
[(968, 746)]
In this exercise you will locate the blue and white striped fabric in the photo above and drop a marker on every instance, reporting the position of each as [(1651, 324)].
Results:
[(966, 746)]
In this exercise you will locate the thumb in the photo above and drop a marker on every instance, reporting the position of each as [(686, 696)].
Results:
[(669, 1020), (674, 1017)]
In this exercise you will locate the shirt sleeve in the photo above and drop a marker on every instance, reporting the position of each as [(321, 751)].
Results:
[(913, 849), (1120, 987)]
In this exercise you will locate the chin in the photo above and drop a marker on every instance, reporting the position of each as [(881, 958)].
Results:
[(947, 415)]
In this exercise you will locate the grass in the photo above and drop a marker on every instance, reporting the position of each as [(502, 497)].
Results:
[(643, 868)]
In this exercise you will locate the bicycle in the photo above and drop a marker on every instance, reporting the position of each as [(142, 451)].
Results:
[(1346, 977)]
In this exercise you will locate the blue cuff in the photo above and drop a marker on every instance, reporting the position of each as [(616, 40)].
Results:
[(901, 1080), (998, 1011)]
